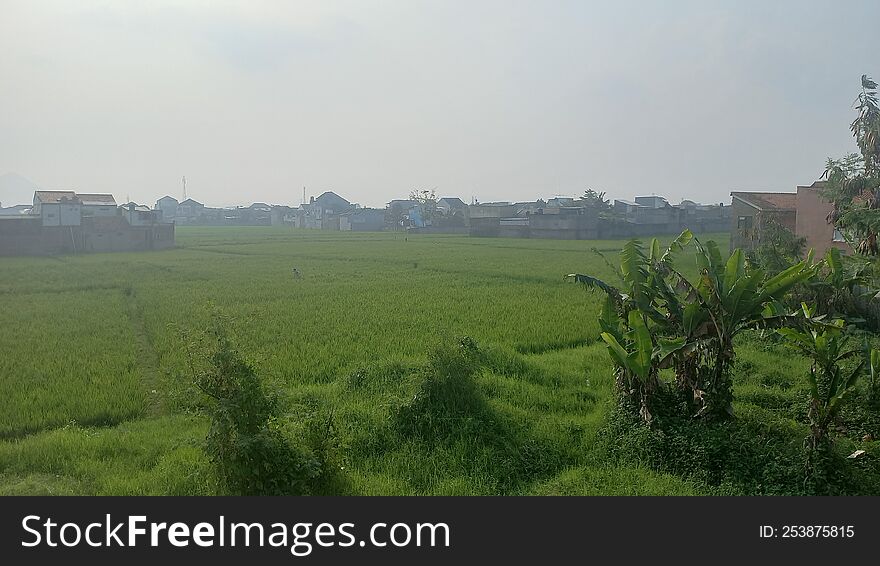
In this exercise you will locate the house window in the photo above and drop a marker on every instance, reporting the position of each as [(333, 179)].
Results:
[(744, 223), (838, 236)]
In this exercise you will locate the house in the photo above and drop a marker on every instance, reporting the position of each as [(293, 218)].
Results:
[(626, 208), (811, 221), (323, 212), (139, 215), (168, 207), (97, 204), (362, 220), (190, 209), (16, 210), (559, 202), (652, 201), (57, 208), (654, 210), (451, 205), (529, 207), (66, 222), (492, 210), (751, 212)]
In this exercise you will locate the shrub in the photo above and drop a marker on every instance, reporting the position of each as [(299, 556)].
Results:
[(246, 443)]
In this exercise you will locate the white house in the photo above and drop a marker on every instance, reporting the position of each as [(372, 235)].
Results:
[(58, 208), (97, 204)]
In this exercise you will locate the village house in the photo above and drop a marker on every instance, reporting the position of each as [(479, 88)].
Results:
[(323, 212), (97, 204), (67, 222), (139, 215), (450, 205), (362, 220), (189, 210), (168, 207), (803, 212)]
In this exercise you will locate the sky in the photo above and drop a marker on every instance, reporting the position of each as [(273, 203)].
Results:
[(498, 100)]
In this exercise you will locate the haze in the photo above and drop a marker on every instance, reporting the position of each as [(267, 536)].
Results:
[(494, 99)]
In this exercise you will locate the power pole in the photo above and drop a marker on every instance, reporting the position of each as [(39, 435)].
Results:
[(184, 187)]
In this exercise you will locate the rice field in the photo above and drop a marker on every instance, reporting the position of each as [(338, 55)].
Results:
[(98, 397)]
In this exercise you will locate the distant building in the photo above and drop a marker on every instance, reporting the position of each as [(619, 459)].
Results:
[(168, 207), (97, 204), (139, 215), (652, 201), (323, 212), (67, 222), (362, 220), (16, 210), (812, 221), (752, 211), (189, 210), (57, 208), (804, 213), (450, 205)]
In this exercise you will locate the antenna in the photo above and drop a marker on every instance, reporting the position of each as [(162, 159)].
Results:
[(184, 187)]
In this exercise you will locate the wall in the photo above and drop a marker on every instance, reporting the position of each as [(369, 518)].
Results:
[(811, 223), (27, 236)]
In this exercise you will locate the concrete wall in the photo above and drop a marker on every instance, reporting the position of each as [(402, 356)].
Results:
[(27, 236)]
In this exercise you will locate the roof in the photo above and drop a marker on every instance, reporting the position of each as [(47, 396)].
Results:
[(627, 203), (815, 185), (766, 200), (191, 201), (16, 210), (135, 206), (453, 201), (54, 197), (330, 194), (96, 199), (167, 197)]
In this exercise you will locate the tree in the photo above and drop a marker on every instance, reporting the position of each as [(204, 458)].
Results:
[(395, 217), (597, 200), (427, 204), (853, 182), (692, 325)]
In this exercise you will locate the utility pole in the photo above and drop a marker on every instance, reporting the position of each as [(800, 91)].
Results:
[(184, 187)]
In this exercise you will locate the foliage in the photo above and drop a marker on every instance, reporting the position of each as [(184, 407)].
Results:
[(594, 199), (245, 442), (853, 182), (427, 203), (826, 345), (845, 288), (774, 247), (692, 326), (447, 400)]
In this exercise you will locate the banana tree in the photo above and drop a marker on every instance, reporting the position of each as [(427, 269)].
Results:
[(636, 357), (635, 320), (728, 298), (826, 345)]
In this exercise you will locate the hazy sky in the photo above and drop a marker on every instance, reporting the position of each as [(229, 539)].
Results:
[(502, 100)]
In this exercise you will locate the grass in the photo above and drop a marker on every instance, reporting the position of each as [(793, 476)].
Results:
[(98, 395)]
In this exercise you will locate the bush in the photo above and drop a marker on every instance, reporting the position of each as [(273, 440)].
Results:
[(447, 401), (246, 443)]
